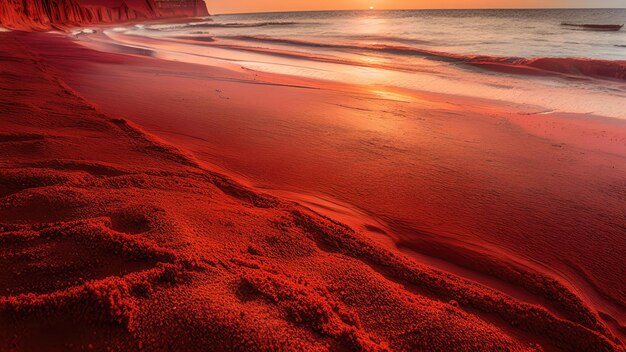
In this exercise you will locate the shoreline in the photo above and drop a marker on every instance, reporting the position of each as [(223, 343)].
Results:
[(480, 77), (87, 82)]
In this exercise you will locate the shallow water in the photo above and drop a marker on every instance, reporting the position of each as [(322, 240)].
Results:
[(523, 33), (422, 50)]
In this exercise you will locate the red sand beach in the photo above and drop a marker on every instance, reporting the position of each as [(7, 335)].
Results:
[(159, 205)]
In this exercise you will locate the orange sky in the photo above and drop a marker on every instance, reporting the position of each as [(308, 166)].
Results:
[(233, 6)]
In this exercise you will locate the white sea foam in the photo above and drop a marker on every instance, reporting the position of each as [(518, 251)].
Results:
[(82, 31)]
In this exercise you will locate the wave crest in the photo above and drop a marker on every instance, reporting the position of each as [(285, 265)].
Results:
[(605, 69), (241, 24)]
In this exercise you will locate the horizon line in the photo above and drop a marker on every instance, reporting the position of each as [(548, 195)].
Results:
[(426, 9)]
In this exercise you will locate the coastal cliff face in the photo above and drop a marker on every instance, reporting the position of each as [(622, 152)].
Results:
[(39, 15)]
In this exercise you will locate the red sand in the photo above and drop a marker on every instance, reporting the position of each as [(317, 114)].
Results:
[(113, 239)]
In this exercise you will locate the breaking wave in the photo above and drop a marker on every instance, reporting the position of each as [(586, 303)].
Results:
[(597, 68), (241, 24)]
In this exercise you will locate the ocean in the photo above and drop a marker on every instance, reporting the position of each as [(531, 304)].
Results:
[(520, 56), (520, 33)]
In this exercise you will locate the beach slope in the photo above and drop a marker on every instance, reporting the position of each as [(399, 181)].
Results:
[(113, 239)]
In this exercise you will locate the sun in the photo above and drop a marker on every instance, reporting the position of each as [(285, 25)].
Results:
[(371, 7)]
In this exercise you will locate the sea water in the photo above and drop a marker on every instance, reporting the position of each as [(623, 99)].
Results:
[(415, 49)]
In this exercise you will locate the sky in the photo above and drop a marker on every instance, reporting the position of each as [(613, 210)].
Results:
[(238, 6)]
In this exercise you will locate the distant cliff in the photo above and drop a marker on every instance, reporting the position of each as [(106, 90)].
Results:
[(38, 15)]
